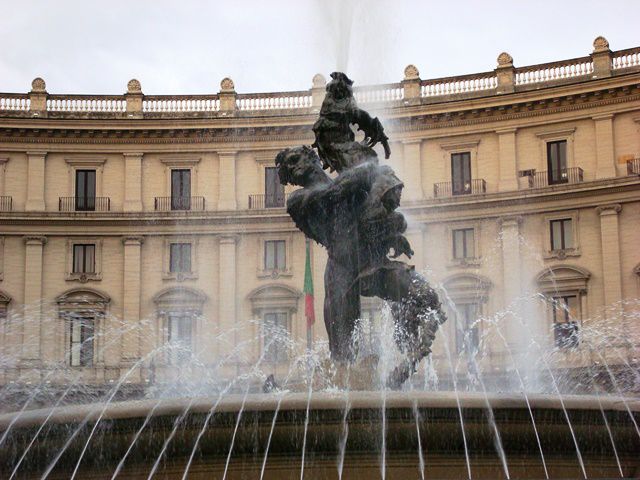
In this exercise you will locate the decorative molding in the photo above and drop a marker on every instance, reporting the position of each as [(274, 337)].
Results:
[(85, 161), (265, 157), (34, 240), (133, 240), (274, 297), (612, 209), (461, 145), (560, 133), (563, 279), (180, 161)]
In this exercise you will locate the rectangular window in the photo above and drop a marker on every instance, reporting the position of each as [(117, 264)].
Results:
[(275, 335), (461, 173), (180, 333), (467, 332), (565, 321), (180, 258), (463, 243), (85, 190), (81, 341), (273, 189), (84, 258), (181, 189), (561, 234), (557, 162), (275, 255)]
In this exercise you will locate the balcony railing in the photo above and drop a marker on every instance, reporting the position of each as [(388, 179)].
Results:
[(84, 204), (6, 203), (167, 204), (260, 201), (558, 177), (633, 166), (446, 189)]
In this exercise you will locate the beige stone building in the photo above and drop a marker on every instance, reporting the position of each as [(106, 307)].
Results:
[(131, 221)]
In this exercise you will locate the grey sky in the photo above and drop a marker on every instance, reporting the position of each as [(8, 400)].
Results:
[(188, 46)]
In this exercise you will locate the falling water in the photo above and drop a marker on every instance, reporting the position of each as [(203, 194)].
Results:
[(345, 428), (416, 415), (306, 418), (235, 431)]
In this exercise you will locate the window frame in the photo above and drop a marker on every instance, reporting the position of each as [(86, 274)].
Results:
[(547, 246), (181, 262), (464, 158), (287, 271), (167, 274), (474, 261), (74, 318), (279, 263), (472, 324), (270, 358), (84, 277), (465, 243), (84, 247)]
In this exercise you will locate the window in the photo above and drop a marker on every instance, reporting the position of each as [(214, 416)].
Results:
[(81, 335), (179, 336), (275, 335), (561, 234), (85, 190), (181, 189), (565, 326), (84, 258), (273, 189), (557, 162), (461, 173), (275, 255), (463, 243), (180, 258), (467, 334)]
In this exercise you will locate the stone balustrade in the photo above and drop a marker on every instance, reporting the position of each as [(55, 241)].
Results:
[(506, 78)]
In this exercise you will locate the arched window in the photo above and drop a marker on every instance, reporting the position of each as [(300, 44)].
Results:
[(83, 311), (565, 288), (276, 306), (178, 309), (469, 293)]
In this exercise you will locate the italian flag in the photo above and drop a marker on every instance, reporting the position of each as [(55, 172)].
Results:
[(309, 311)]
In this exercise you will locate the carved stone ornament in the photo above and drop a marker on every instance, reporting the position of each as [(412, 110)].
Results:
[(411, 72), (600, 44), (505, 60), (83, 278), (38, 85), (319, 81), (226, 85), (133, 86)]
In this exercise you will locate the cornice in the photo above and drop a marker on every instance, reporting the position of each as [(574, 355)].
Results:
[(205, 131)]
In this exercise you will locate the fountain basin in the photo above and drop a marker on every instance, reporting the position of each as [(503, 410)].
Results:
[(438, 426)]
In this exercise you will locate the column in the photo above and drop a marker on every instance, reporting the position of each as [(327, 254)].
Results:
[(605, 158), (31, 331), (611, 269), (511, 277), (132, 182), (131, 298), (412, 171), (227, 180), (507, 160), (227, 282), (35, 181)]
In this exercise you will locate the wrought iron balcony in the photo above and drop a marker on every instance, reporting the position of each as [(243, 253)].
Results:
[(260, 201), (167, 204), (84, 204), (446, 189), (633, 166), (557, 177), (6, 203)]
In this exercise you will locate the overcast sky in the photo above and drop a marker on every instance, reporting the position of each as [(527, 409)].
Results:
[(188, 46)]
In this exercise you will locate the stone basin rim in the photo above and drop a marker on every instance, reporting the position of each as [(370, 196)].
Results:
[(319, 401)]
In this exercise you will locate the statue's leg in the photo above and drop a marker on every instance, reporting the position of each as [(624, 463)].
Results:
[(417, 314), (341, 310)]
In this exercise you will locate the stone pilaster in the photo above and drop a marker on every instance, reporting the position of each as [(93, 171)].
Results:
[(511, 275), (134, 98), (3, 168), (35, 181), (131, 298), (412, 170), (507, 160), (605, 158), (227, 96), (227, 314), (133, 182), (611, 268), (227, 181), (32, 324), (38, 98), (411, 85), (601, 57)]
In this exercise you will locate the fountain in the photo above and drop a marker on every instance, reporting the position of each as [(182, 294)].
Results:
[(338, 412)]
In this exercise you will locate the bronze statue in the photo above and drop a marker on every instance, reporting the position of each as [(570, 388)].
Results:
[(354, 217)]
